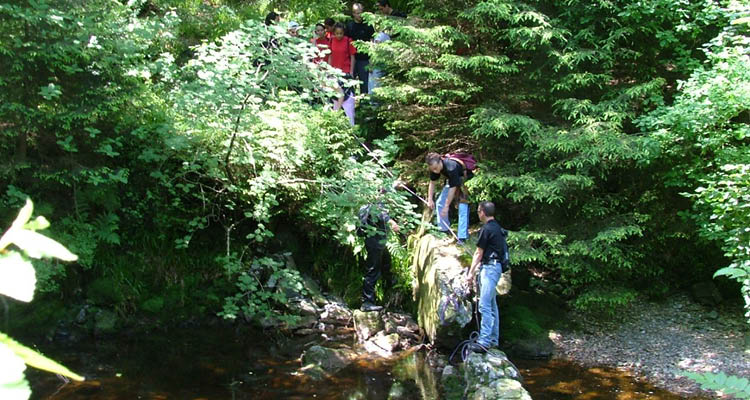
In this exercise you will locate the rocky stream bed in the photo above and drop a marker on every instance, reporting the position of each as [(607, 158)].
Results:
[(653, 340)]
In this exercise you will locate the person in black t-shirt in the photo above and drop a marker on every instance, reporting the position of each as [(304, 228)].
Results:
[(489, 254), (359, 30), (456, 175), (386, 9)]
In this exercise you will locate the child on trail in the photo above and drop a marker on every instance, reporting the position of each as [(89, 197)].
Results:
[(321, 42), (342, 51)]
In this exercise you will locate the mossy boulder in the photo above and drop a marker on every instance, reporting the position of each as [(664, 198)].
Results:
[(330, 360), (105, 322), (443, 308), (492, 376)]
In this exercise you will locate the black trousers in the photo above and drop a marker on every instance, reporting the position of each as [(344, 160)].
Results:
[(361, 73), (377, 263)]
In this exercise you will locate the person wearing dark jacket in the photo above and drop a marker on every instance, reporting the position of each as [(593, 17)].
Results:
[(376, 261), (359, 30)]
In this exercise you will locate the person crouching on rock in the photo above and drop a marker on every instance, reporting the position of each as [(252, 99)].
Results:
[(487, 259), (456, 175)]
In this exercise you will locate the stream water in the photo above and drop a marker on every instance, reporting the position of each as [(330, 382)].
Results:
[(203, 363)]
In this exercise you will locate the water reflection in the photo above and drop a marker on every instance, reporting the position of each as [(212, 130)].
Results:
[(562, 380), (218, 364)]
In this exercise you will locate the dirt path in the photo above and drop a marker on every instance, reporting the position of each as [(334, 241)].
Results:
[(653, 340)]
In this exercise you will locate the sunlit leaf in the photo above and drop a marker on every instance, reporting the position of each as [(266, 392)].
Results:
[(13, 385), (38, 224), (37, 360), (20, 221), (17, 277), (37, 245)]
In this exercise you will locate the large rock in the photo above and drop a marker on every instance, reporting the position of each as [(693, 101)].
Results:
[(382, 344), (492, 376), (330, 360), (442, 304), (105, 322), (367, 324), (336, 313)]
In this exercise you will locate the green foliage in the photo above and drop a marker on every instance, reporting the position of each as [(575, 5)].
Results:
[(605, 301), (546, 96), (731, 385), (74, 84), (161, 125), (189, 128), (307, 12), (18, 245), (263, 291), (522, 322), (703, 137)]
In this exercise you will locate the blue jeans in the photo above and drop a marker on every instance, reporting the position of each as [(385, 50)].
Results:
[(463, 214), (489, 331)]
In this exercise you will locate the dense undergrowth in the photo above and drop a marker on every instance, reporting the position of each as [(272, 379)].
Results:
[(180, 156)]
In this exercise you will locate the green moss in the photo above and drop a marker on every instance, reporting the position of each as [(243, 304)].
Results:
[(453, 387), (520, 322), (153, 305), (105, 291), (530, 314)]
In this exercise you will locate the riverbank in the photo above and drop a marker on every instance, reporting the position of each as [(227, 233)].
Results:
[(653, 340)]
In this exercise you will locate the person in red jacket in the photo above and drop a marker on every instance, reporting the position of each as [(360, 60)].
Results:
[(342, 50)]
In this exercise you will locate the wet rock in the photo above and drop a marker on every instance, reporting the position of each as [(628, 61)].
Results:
[(395, 320), (506, 388), (303, 306), (492, 376), (442, 303), (382, 344), (330, 360), (305, 331), (367, 324), (315, 372), (336, 313), (105, 322), (323, 327), (305, 321)]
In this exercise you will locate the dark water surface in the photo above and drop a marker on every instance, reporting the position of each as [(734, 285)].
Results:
[(216, 364)]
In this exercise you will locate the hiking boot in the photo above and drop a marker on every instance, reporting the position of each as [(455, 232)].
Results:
[(477, 348), (367, 307)]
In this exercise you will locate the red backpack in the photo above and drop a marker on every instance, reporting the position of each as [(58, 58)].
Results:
[(466, 159)]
